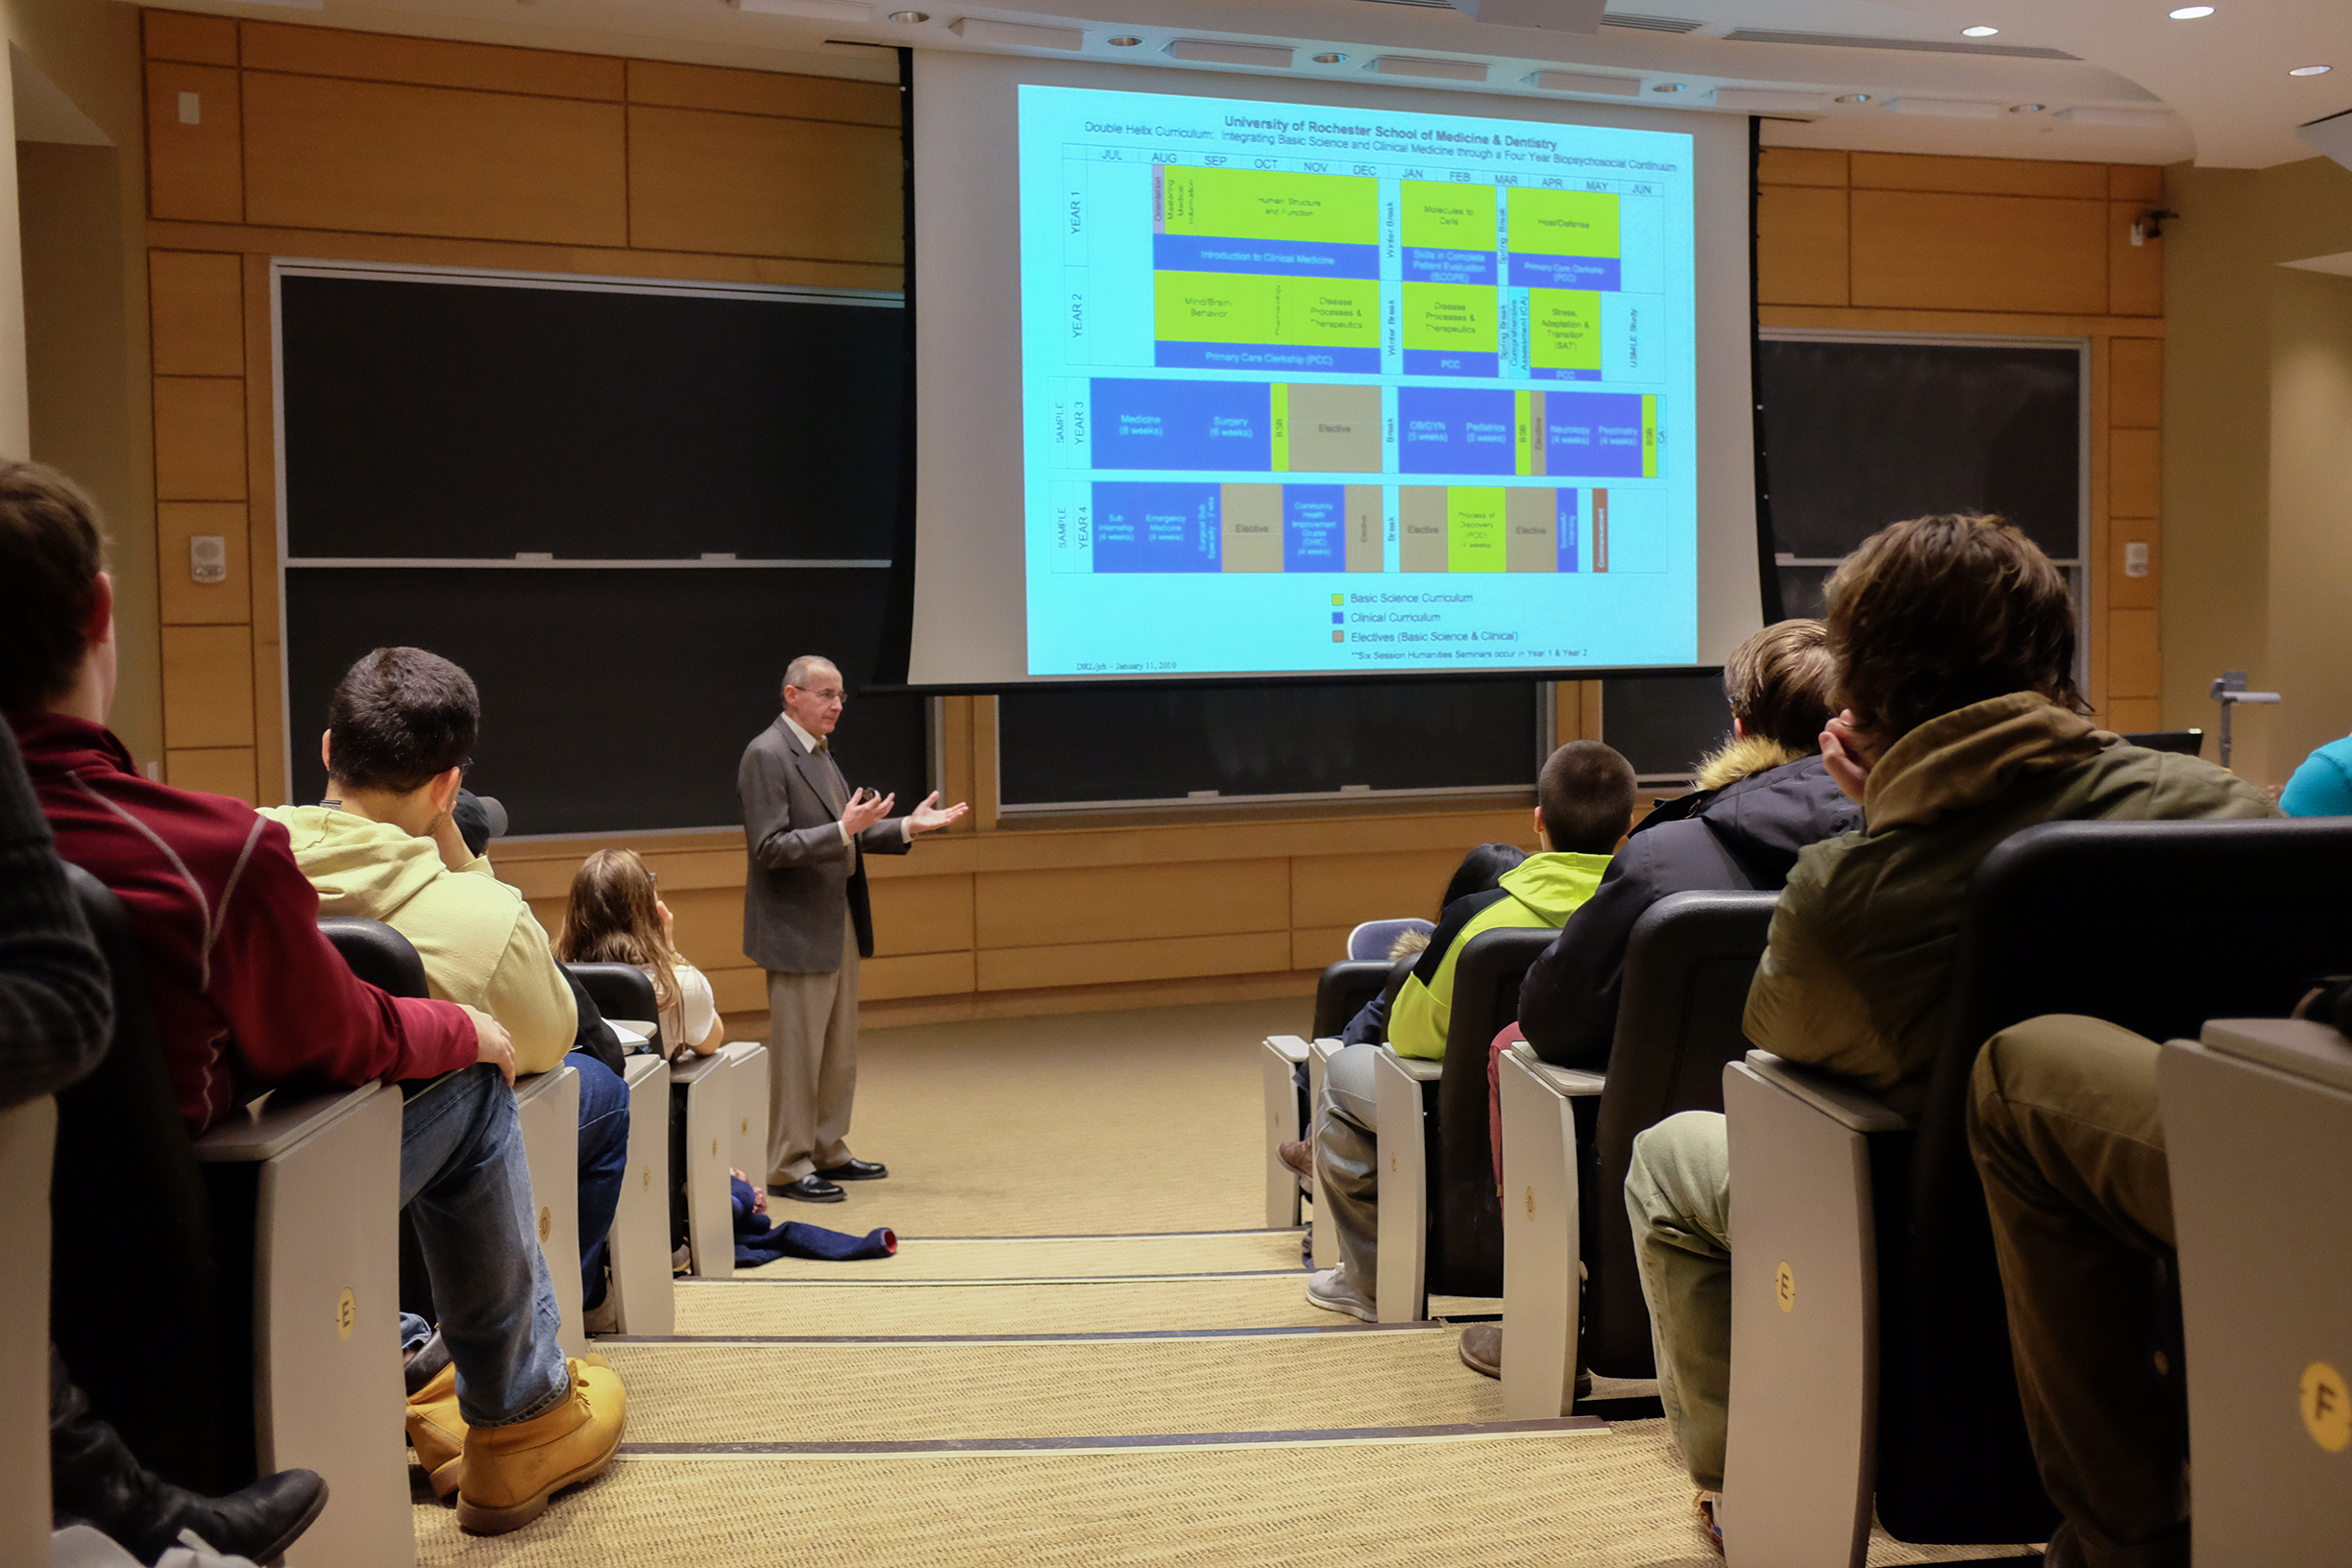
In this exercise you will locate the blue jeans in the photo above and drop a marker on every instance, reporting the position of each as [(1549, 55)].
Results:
[(464, 1182), (604, 1164)]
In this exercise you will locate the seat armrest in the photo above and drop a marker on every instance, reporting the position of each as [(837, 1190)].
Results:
[(1847, 1107), (528, 1089), (277, 1123), (695, 1069), (1290, 1048), (641, 1067), (1414, 1066), (1572, 1083), (1327, 1046), (2299, 1047)]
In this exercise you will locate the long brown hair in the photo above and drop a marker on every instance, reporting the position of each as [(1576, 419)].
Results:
[(611, 920)]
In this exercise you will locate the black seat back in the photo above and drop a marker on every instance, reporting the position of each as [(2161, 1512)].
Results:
[(1689, 961), (376, 954), (2154, 926), (143, 1292), (1465, 1242), (621, 990), (1343, 990)]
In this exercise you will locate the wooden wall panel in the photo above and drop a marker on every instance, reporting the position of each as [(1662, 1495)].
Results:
[(2135, 473), (2134, 715), (227, 770), (2135, 182), (1080, 904), (370, 156), (764, 93), (199, 41), (1977, 176), (704, 182), (922, 914), (384, 57), (208, 686), (2135, 273), (916, 974), (1347, 890), (706, 922), (196, 304), (2134, 593), (1313, 947), (1801, 166), (194, 171), (187, 602), (1802, 246), (739, 991), (2135, 665), (199, 438), (1107, 963), (2135, 383), (1980, 252)]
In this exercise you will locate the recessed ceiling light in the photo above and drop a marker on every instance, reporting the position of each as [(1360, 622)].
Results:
[(2027, 108), (2310, 70), (910, 16), (2190, 14), (1856, 98), (1126, 42), (1667, 87), (1330, 59), (1978, 31)]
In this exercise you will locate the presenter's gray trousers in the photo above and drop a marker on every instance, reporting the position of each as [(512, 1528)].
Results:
[(1347, 1156), (812, 1066)]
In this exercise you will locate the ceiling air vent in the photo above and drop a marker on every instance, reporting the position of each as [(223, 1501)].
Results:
[(1651, 24), (1849, 40)]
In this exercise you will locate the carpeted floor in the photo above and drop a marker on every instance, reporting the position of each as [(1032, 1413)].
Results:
[(1151, 1388)]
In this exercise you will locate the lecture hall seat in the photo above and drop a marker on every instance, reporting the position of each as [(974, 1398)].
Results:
[(703, 1122), (28, 1143), (1570, 1286), (1867, 1313), (1340, 993), (2258, 1119), (643, 1297)]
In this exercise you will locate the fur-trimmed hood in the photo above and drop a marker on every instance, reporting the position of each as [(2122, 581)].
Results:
[(1743, 756)]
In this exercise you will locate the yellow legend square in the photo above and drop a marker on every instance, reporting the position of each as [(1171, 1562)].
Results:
[(1338, 599)]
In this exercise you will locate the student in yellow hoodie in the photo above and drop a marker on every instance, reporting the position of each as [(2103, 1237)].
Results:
[(1584, 805), (383, 847)]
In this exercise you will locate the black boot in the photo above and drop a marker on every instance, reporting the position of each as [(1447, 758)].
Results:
[(94, 1477)]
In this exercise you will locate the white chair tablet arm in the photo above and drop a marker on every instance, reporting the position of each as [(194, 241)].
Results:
[(1405, 1096), (1542, 1262), (547, 1106), (643, 1297), (748, 1087), (327, 1369), (706, 1084), (2257, 1118), (28, 1144), (1279, 1055), (1800, 1464)]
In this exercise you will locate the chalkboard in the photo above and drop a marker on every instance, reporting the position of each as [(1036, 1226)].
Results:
[(611, 701), (1858, 434), (1077, 746), (454, 419), (1664, 725), (443, 419)]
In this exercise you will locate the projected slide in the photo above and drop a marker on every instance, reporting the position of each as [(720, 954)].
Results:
[(1310, 389)]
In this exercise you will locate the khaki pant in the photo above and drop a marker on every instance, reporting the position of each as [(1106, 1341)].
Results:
[(1679, 1195), (812, 1066), (2064, 1121), (1347, 1154)]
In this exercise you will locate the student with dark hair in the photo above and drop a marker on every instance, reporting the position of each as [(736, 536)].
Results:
[(1584, 805), (1955, 640), (385, 846), (246, 995)]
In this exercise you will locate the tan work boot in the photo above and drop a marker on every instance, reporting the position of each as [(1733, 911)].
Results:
[(438, 1430), (511, 1472)]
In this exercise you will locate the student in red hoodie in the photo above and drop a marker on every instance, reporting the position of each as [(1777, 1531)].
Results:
[(247, 995)]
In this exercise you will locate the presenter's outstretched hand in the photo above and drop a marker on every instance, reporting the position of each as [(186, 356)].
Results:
[(930, 817), (865, 809)]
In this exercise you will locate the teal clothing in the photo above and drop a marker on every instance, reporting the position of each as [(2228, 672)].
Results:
[(1540, 892), (2322, 787)]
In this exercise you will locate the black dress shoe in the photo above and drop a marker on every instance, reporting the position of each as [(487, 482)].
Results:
[(854, 1170), (807, 1189)]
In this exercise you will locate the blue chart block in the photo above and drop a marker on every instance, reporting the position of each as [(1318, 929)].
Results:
[(1596, 272), (1441, 430), (1314, 517), (1568, 529), (1593, 434), (1156, 527), (1182, 424), (1277, 258), (1451, 362), (1564, 374), (1423, 265), (1263, 356)]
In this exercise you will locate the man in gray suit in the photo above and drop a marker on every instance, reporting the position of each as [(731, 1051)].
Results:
[(806, 921)]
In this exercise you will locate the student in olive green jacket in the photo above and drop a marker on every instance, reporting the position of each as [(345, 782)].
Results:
[(1955, 643)]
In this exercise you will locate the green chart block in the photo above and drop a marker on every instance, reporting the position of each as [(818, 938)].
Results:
[(1447, 218), (1248, 308), (1563, 328), (1449, 316), (1476, 538), (1561, 222), (1251, 204)]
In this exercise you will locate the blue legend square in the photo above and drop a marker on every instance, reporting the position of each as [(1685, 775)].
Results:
[(1338, 617)]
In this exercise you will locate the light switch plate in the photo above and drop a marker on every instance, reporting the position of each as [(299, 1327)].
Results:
[(209, 559), (191, 109), (2135, 560)]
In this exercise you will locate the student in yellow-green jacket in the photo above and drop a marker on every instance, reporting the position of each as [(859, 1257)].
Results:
[(1583, 807)]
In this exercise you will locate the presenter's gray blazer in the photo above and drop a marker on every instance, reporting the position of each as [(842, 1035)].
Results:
[(800, 870)]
